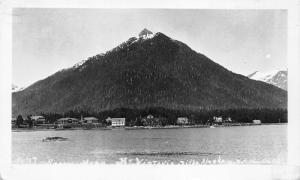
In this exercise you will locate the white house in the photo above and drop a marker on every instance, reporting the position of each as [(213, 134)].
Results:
[(116, 122), (256, 121), (90, 120), (218, 119), (67, 120), (38, 119), (182, 120)]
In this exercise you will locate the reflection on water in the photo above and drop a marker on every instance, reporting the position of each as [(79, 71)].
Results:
[(258, 144)]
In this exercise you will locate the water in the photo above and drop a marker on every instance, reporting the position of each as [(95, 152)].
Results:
[(248, 144)]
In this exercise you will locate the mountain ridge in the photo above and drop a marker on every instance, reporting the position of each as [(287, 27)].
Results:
[(155, 71)]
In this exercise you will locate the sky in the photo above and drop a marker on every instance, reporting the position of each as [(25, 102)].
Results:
[(48, 40)]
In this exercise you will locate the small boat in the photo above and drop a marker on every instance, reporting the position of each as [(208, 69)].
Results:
[(55, 138), (212, 127)]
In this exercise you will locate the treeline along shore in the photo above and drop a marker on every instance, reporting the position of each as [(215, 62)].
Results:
[(160, 117)]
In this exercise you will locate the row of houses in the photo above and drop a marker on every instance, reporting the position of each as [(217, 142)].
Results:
[(117, 122), (217, 120), (36, 119), (42, 120), (220, 120), (39, 120), (85, 120)]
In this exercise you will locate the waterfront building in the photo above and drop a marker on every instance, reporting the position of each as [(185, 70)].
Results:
[(218, 119), (38, 119), (116, 122), (90, 120), (67, 120), (256, 121), (182, 120)]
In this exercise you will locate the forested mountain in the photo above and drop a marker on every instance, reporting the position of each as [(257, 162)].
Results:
[(151, 70)]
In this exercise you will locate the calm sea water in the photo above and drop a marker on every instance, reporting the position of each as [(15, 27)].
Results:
[(256, 144)]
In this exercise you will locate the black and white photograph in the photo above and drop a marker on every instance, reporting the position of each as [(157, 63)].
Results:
[(159, 86)]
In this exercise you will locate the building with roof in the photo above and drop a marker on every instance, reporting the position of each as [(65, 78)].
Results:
[(116, 122), (67, 120), (218, 119), (256, 121), (182, 120), (38, 119), (90, 120)]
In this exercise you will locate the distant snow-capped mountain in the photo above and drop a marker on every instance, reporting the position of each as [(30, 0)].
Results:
[(16, 88), (275, 77)]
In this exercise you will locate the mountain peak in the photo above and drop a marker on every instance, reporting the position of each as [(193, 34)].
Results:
[(149, 71), (145, 32), (275, 77)]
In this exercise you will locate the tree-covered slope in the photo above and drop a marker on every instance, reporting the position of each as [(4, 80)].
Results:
[(150, 71)]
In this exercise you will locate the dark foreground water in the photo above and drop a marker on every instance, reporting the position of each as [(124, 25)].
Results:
[(247, 144)]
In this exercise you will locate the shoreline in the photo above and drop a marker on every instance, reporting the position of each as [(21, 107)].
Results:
[(141, 128)]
